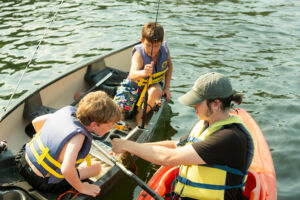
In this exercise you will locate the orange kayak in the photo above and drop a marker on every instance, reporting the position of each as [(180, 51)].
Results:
[(261, 182)]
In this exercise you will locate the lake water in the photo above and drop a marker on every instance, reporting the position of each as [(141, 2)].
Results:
[(255, 43)]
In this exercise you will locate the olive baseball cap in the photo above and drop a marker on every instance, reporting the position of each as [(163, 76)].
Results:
[(208, 86)]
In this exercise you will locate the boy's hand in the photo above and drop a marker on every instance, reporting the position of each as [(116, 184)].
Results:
[(148, 69), (167, 93), (90, 189)]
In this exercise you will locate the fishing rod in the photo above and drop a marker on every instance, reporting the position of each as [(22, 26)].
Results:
[(29, 62), (147, 84)]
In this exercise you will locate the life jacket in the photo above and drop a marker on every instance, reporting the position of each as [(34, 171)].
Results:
[(44, 149), (159, 71), (209, 181)]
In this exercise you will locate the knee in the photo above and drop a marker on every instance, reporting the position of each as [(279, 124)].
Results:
[(155, 92), (98, 168)]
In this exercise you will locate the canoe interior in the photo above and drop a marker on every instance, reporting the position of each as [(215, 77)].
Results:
[(16, 126), (57, 93)]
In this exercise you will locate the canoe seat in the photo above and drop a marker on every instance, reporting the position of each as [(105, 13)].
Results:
[(252, 190), (42, 110), (111, 84)]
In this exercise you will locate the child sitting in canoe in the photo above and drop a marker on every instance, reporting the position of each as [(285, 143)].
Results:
[(50, 161), (151, 69)]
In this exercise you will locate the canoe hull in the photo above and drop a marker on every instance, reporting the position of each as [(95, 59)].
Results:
[(16, 130)]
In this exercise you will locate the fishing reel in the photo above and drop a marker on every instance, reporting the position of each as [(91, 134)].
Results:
[(3, 145)]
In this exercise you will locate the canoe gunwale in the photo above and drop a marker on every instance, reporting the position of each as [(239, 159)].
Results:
[(74, 67)]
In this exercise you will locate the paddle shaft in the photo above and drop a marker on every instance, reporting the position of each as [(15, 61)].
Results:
[(141, 183), (92, 88)]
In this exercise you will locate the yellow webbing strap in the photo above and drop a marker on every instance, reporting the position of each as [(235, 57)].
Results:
[(139, 103), (47, 167), (87, 158), (153, 79), (156, 78), (45, 154)]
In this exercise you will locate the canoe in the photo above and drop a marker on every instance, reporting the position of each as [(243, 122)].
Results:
[(261, 182), (16, 127)]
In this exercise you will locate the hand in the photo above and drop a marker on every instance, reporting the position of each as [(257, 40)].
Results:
[(167, 93), (90, 189), (117, 145), (148, 69)]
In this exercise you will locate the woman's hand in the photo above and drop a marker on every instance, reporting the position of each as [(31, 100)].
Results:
[(117, 145)]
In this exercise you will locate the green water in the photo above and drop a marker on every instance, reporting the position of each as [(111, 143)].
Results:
[(255, 43)]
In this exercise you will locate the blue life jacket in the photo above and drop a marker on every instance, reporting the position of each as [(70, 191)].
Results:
[(159, 70), (44, 149)]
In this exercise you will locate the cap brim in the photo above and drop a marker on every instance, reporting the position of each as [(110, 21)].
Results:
[(189, 99)]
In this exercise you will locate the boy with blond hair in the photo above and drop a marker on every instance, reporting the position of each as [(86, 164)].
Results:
[(50, 161)]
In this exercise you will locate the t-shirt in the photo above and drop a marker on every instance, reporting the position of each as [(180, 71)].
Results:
[(226, 147)]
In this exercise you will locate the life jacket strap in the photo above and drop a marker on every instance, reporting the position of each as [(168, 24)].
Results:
[(45, 165), (208, 186), (153, 79), (87, 158), (45, 154), (139, 103), (227, 169)]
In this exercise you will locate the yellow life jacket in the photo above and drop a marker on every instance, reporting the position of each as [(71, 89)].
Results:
[(208, 182)]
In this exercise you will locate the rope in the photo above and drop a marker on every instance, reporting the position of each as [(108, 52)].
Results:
[(147, 85), (75, 193), (28, 64)]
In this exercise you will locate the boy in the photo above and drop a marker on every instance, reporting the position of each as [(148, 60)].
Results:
[(63, 140), (150, 65)]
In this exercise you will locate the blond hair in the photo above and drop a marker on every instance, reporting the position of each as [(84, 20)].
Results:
[(98, 107)]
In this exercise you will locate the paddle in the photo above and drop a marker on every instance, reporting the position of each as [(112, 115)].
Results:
[(141, 183), (29, 129)]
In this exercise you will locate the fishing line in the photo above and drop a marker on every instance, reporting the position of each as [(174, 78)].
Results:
[(28, 64), (146, 94)]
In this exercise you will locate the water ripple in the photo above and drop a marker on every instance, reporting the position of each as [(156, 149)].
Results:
[(255, 43)]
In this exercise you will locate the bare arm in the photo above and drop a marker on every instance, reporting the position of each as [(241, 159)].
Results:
[(160, 155), (168, 78), (169, 72), (39, 121), (167, 143), (136, 71), (68, 167)]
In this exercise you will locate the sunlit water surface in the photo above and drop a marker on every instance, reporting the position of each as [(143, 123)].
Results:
[(255, 43)]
